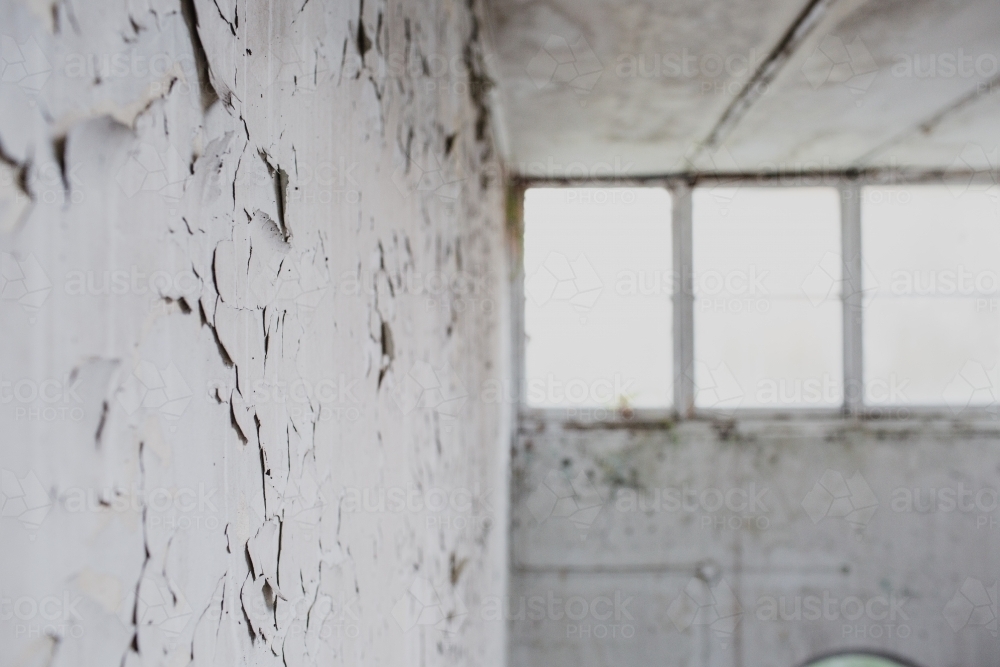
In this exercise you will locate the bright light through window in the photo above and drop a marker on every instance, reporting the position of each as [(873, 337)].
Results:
[(767, 309), (598, 289), (932, 295), (764, 268)]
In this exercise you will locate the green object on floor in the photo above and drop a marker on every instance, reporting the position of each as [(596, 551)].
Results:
[(855, 660)]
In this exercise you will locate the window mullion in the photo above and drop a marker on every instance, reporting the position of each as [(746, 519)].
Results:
[(683, 302), (515, 229), (852, 296)]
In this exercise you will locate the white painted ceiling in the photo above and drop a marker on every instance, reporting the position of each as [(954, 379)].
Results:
[(624, 88)]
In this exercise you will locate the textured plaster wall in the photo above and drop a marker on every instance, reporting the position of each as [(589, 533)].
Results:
[(252, 267), (755, 542)]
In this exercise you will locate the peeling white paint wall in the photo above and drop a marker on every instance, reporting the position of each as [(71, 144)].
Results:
[(755, 542), (252, 295)]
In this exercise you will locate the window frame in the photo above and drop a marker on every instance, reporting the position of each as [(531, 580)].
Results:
[(849, 187)]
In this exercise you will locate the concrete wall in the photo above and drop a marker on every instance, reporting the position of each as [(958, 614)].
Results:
[(754, 543), (252, 288)]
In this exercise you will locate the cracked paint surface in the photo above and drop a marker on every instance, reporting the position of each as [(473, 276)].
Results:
[(251, 280)]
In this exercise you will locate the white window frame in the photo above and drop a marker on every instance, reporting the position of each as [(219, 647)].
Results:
[(849, 185)]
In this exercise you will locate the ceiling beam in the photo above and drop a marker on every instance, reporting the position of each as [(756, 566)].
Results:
[(768, 70), (811, 178)]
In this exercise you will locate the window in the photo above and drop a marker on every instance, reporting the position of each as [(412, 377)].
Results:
[(932, 321), (597, 314), (778, 298), (767, 311)]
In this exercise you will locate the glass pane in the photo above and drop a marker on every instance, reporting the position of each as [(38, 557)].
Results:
[(597, 312), (932, 316), (767, 309)]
